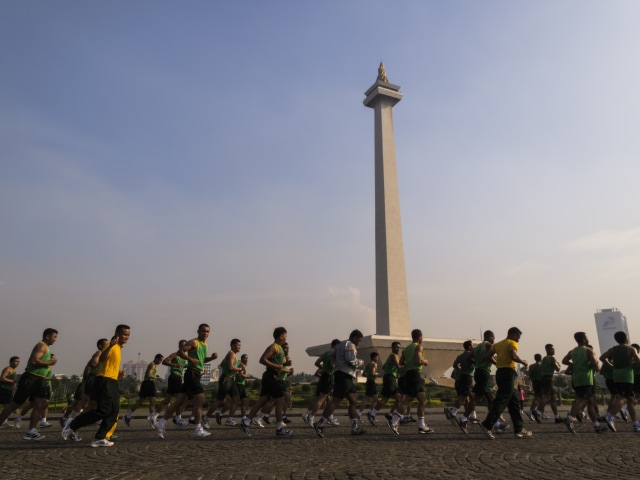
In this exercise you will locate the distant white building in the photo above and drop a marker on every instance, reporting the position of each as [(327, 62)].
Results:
[(135, 369), (608, 322), (211, 374)]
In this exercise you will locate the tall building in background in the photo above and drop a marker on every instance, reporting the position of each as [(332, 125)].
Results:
[(608, 322), (135, 369), (210, 374)]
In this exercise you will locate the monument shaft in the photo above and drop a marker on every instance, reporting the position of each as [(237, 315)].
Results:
[(392, 306)]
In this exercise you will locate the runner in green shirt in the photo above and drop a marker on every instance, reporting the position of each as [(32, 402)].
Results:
[(371, 373), (227, 385), (33, 383), (390, 369), (535, 375), (583, 367), (413, 360), (463, 368), (622, 357), (176, 365), (324, 363), (481, 376), (196, 353), (273, 386), (548, 367)]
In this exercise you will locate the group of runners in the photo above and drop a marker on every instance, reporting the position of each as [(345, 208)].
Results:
[(620, 366), (97, 399)]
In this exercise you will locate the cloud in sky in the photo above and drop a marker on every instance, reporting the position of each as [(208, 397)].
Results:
[(167, 166), (613, 241)]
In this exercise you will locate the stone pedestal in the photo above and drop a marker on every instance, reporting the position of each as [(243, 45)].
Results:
[(441, 352)]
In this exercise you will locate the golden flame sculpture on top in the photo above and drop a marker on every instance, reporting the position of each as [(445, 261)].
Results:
[(382, 74)]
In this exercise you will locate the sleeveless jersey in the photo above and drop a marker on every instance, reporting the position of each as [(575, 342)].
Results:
[(327, 365), (240, 380), (200, 353), (12, 376), (582, 375), (467, 366), (36, 370), (410, 358), (390, 368), (278, 357), (226, 370), (368, 372), (152, 375), (547, 367), (622, 364), (534, 372), (182, 365), (480, 355)]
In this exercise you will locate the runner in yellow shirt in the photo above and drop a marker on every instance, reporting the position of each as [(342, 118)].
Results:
[(106, 393), (507, 357)]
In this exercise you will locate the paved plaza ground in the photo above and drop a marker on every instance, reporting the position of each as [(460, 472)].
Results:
[(138, 453)]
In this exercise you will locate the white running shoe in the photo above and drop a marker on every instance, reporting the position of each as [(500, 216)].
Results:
[(244, 425), (393, 428), (101, 443), (201, 433), (372, 418), (160, 427), (257, 421), (610, 421), (523, 433), (180, 423), (152, 419), (205, 422)]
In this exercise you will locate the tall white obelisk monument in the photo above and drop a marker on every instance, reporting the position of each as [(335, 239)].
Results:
[(392, 306)]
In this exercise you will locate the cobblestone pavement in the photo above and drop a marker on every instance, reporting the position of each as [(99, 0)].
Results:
[(552, 452)]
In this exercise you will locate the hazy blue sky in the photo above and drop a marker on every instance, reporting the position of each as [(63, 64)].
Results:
[(165, 164)]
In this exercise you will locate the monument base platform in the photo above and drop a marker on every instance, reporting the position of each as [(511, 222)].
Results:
[(441, 353)]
